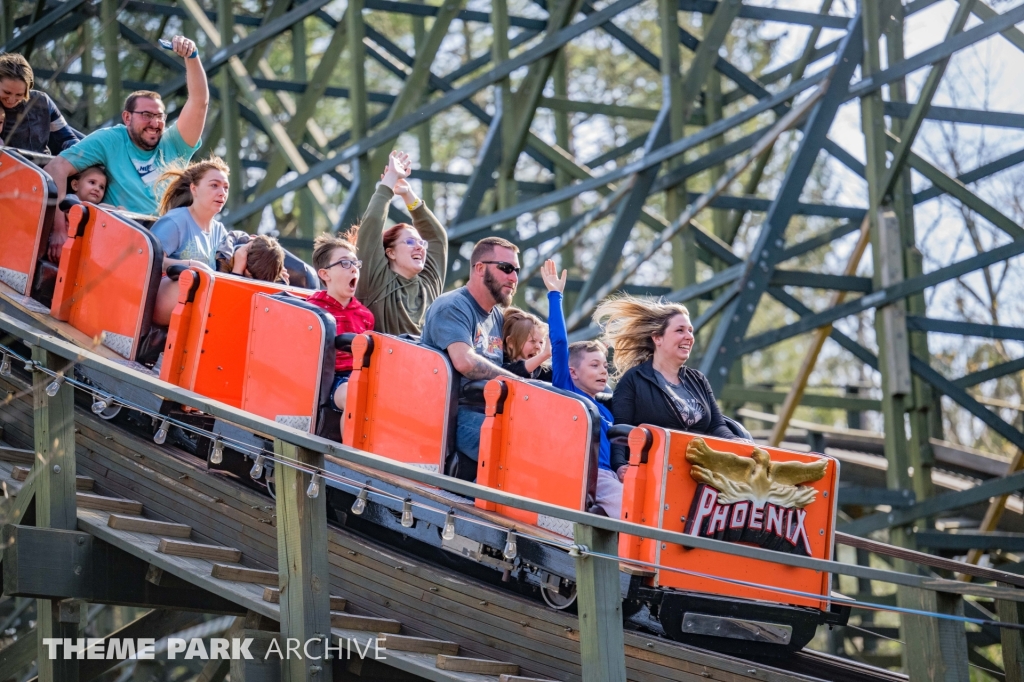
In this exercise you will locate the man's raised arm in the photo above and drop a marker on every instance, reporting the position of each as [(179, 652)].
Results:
[(472, 365), (193, 115)]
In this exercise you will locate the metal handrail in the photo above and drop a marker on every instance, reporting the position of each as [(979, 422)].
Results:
[(265, 426)]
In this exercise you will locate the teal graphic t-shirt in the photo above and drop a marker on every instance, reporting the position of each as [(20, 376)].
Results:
[(131, 172)]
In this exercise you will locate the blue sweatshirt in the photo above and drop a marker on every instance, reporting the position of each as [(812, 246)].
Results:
[(560, 377)]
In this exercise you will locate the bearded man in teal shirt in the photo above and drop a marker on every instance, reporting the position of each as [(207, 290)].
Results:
[(135, 153)]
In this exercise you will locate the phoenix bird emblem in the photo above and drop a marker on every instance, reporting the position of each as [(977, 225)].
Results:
[(755, 478)]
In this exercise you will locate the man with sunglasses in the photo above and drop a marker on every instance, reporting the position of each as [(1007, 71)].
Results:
[(467, 323), (136, 152)]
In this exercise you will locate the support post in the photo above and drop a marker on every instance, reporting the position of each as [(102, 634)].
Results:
[(111, 60), (505, 188), (419, 33), (1013, 640), (54, 481), (602, 644), (302, 562), (303, 199), (362, 173), (229, 116), (684, 248), (935, 649)]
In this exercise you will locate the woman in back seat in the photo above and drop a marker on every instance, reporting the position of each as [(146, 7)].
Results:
[(187, 230), (405, 264), (652, 342)]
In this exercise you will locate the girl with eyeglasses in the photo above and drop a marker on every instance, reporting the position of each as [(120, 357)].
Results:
[(404, 265), (334, 258)]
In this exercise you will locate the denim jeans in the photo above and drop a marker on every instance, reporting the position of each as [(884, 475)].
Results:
[(467, 432)]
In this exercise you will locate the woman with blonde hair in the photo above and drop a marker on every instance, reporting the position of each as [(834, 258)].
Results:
[(187, 231), (652, 342)]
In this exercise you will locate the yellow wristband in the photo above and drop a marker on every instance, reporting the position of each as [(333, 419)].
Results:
[(414, 205)]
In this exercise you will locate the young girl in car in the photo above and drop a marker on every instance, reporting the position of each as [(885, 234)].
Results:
[(526, 346), (334, 258)]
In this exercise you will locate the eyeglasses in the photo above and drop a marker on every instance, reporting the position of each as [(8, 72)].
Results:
[(413, 243), (346, 263), (150, 116), (507, 268)]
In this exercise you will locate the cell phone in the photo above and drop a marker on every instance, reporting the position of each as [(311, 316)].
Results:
[(167, 45)]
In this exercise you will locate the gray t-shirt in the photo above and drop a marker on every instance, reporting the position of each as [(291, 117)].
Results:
[(690, 408), (456, 316), (182, 239)]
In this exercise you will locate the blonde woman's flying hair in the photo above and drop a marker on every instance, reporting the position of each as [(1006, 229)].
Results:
[(179, 179), (629, 323)]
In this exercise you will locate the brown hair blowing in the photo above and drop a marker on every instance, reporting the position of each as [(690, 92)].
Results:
[(629, 324), (265, 260), (516, 331), (181, 177)]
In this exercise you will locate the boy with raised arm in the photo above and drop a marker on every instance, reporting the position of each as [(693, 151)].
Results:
[(582, 368)]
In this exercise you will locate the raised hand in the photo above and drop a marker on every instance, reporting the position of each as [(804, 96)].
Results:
[(399, 167), (183, 47), (549, 273)]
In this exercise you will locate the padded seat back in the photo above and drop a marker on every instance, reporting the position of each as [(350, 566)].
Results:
[(108, 278), (209, 333), (401, 401), (29, 200), (676, 483), (290, 360), (539, 442)]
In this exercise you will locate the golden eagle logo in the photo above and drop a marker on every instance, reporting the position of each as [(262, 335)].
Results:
[(755, 478)]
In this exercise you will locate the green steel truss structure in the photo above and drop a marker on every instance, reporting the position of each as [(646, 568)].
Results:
[(705, 152)]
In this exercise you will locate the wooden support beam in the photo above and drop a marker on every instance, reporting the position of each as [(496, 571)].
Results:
[(54, 419), (17, 655), (480, 666), (302, 559), (111, 58), (1012, 639), (57, 619), (273, 595), (137, 524), (54, 429), (419, 645), (602, 644), (110, 504), (59, 564), (363, 175), (252, 94), (199, 551), (934, 650), (349, 621), (81, 482), (278, 162), (241, 574)]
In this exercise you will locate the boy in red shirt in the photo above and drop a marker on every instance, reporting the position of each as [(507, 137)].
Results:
[(334, 258)]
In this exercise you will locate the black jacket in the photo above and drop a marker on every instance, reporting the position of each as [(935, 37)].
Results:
[(640, 399)]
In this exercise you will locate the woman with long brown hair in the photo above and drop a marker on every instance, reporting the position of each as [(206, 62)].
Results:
[(652, 342), (187, 230)]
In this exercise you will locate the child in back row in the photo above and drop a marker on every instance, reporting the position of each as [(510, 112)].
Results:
[(89, 185), (334, 258), (526, 347), (582, 368)]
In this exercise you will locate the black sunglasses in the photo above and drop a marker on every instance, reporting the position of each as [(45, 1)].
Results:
[(507, 268)]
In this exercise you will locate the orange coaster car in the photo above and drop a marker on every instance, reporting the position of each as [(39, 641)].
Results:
[(734, 491)]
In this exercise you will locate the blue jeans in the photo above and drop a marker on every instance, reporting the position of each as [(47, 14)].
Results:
[(467, 432)]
